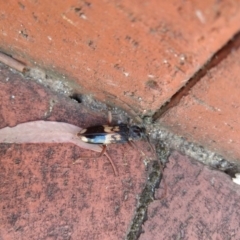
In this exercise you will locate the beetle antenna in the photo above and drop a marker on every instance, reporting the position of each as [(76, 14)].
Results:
[(146, 138)]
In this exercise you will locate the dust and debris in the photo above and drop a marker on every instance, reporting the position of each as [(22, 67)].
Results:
[(57, 84)]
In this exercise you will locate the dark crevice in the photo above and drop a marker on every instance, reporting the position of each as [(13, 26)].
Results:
[(77, 97), (218, 57), (232, 171)]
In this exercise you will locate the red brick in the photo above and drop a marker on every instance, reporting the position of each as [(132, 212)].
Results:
[(210, 114), (134, 54), (43, 195), (200, 204)]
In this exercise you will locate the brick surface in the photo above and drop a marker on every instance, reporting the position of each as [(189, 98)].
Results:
[(43, 195), (200, 204), (210, 114), (134, 54)]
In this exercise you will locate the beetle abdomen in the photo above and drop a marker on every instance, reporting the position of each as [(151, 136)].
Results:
[(105, 134)]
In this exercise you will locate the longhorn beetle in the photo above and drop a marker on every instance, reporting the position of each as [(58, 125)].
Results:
[(107, 134)]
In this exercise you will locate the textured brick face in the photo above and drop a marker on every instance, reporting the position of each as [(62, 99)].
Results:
[(210, 114), (200, 204), (43, 195), (133, 54)]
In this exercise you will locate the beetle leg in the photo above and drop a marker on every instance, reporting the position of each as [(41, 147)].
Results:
[(150, 145), (133, 145), (89, 157), (109, 117), (103, 152), (111, 161)]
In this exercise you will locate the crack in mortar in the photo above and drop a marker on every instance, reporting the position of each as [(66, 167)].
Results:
[(217, 58), (147, 195), (194, 150)]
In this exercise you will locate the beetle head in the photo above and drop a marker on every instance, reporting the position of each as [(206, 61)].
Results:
[(136, 133)]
